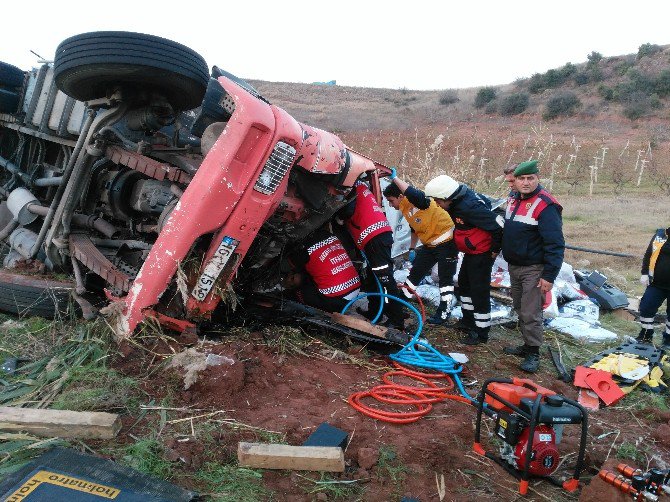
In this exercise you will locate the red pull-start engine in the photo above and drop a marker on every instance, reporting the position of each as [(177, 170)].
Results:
[(544, 458), (529, 420)]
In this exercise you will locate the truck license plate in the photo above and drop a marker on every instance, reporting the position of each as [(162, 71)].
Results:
[(214, 267)]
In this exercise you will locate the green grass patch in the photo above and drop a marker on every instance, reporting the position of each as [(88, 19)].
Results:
[(630, 451), (16, 450), (146, 455), (641, 400), (335, 489), (232, 483), (390, 466), (29, 338), (96, 388), (38, 382), (619, 326), (286, 340)]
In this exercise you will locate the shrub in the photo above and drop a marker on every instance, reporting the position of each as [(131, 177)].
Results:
[(484, 96), (638, 104), (581, 78), (593, 59), (536, 83), (648, 50), (607, 93), (492, 107), (562, 103), (595, 74), (449, 97), (622, 67), (567, 70), (662, 84), (514, 104)]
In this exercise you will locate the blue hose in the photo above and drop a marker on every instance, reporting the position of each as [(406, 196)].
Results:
[(429, 357)]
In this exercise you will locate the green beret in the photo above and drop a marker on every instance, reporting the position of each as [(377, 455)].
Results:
[(529, 167)]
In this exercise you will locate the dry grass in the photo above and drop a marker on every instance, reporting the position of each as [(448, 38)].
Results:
[(619, 224)]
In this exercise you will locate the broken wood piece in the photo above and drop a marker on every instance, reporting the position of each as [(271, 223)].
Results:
[(60, 423), (283, 456), (359, 324)]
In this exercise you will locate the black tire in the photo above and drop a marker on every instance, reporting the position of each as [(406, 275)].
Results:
[(10, 75), (87, 65), (9, 101), (29, 296)]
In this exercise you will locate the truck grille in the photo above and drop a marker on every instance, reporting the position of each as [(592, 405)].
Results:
[(275, 168)]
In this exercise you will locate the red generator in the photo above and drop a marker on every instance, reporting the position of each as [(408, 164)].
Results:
[(529, 421)]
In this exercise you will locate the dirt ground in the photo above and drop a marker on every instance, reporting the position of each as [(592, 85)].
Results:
[(288, 393)]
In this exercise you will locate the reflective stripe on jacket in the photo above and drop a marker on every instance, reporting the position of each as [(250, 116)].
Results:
[(331, 268), (656, 260), (368, 218)]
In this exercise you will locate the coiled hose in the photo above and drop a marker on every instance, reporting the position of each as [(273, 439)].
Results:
[(418, 353)]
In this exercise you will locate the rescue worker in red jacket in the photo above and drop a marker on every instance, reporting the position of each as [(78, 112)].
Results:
[(325, 276), (433, 226), (478, 234), (656, 277), (366, 222)]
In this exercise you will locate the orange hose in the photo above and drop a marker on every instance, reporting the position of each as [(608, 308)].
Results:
[(422, 397)]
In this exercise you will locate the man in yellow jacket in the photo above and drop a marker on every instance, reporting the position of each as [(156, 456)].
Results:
[(433, 226)]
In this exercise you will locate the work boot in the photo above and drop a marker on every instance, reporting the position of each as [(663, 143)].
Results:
[(531, 363), (474, 338), (441, 315), (516, 350), (463, 325), (645, 336)]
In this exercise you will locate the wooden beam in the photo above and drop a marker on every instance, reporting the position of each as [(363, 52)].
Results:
[(359, 324), (282, 456), (60, 423)]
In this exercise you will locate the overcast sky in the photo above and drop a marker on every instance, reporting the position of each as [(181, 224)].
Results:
[(417, 44)]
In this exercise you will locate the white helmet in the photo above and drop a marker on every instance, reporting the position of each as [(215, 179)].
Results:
[(441, 187)]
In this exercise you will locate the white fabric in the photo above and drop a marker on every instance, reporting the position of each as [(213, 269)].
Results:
[(401, 230), (583, 330)]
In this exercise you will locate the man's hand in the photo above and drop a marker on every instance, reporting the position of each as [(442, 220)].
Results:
[(545, 285), (644, 280)]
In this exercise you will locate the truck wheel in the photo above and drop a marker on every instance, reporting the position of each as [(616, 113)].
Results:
[(10, 75), (87, 65), (24, 295), (9, 101)]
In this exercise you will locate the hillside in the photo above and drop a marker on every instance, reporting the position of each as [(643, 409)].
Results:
[(615, 89)]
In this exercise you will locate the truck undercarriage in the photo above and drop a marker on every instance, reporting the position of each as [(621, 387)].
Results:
[(154, 183)]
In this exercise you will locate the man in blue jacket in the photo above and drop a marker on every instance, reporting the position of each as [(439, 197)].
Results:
[(478, 234), (533, 246)]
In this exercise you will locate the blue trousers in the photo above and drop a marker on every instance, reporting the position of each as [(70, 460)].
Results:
[(651, 301)]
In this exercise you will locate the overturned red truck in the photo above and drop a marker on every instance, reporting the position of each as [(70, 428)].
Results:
[(130, 167)]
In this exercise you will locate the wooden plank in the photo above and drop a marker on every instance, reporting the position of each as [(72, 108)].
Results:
[(283, 456), (359, 324), (60, 423)]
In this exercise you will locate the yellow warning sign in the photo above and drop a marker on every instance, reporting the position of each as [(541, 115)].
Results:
[(69, 482)]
